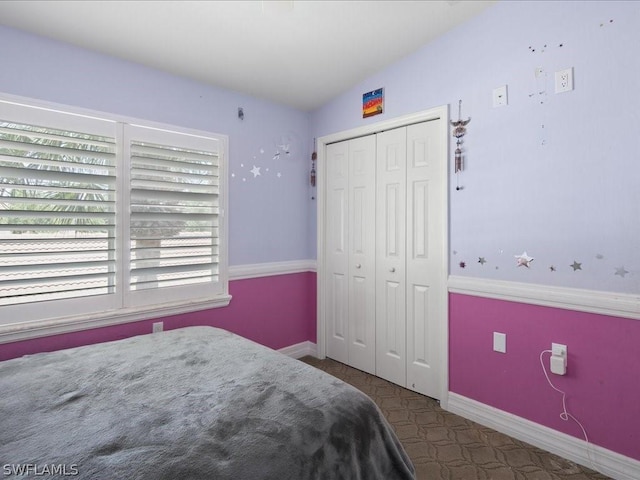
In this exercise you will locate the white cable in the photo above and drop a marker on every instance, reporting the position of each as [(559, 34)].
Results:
[(565, 415)]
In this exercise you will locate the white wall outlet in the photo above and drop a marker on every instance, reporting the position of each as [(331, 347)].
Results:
[(158, 327), (564, 80), (500, 96), (500, 342), (559, 349)]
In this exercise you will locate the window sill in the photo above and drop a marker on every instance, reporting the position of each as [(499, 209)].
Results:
[(41, 328)]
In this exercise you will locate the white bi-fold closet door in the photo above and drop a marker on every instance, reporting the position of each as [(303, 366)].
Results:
[(383, 267), (350, 246)]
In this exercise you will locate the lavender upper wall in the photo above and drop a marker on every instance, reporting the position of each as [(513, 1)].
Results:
[(268, 210), (552, 175)]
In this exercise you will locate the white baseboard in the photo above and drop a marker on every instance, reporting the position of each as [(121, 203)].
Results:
[(300, 350), (605, 461)]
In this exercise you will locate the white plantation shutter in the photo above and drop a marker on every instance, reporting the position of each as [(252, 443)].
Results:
[(57, 207), (174, 214), (102, 220)]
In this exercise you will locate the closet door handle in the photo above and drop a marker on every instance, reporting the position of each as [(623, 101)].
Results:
[(358, 265), (392, 269)]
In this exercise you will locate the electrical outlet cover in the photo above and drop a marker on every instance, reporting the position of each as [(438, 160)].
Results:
[(564, 80), (559, 350)]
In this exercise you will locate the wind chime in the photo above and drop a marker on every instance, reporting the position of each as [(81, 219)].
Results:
[(459, 131), (314, 157)]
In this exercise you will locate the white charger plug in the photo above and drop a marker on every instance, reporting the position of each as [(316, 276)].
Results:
[(558, 360), (558, 364)]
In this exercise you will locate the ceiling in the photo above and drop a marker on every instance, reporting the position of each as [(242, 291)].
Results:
[(300, 53)]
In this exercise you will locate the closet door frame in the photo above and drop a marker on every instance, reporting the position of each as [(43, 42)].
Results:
[(437, 113)]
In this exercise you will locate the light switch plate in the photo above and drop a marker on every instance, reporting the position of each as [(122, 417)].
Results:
[(500, 96), (499, 342)]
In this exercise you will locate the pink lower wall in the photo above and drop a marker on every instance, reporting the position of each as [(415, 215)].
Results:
[(603, 375), (602, 381), (276, 311)]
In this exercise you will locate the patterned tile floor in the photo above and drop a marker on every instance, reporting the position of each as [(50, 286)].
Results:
[(445, 446)]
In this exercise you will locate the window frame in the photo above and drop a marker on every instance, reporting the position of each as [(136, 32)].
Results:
[(110, 310)]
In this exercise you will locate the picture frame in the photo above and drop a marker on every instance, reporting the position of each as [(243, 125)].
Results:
[(373, 103)]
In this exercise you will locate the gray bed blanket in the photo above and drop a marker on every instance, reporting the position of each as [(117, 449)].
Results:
[(192, 403)]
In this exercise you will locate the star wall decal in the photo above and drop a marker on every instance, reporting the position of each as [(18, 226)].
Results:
[(621, 271), (576, 266), (255, 170), (462, 264), (523, 260), (552, 268), (482, 260)]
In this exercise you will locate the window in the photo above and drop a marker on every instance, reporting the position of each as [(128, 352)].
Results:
[(102, 217)]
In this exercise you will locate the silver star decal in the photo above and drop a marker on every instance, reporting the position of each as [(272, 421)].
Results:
[(621, 271), (523, 260), (576, 266), (255, 170)]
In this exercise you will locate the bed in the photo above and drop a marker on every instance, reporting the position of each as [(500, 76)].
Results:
[(190, 403)]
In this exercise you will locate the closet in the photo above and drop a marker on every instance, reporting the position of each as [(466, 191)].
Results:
[(384, 269)]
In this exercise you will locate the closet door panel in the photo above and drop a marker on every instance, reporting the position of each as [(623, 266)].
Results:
[(419, 369), (426, 218), (337, 251), (361, 253), (390, 256)]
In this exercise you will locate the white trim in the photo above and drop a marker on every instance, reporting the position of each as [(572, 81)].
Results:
[(606, 461), (426, 115), (591, 301), (42, 328), (423, 116), (300, 350), (241, 272)]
